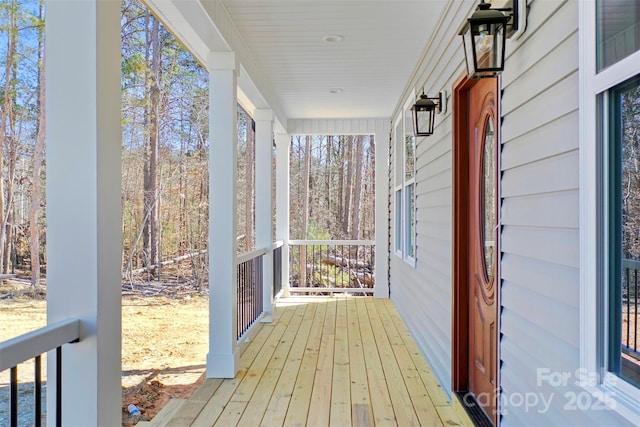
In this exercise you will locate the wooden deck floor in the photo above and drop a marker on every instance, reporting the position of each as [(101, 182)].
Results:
[(339, 361)]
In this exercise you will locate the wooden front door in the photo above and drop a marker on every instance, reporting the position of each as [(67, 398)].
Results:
[(476, 252), (482, 281)]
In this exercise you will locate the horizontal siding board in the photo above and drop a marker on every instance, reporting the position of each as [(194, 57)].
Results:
[(543, 314), (434, 198), (436, 168), (559, 99), (437, 235), (518, 415), (436, 265), (553, 281), (557, 246), (561, 61), (546, 210), (558, 173), (549, 22), (556, 137), (435, 183), (533, 337), (431, 328), (560, 412)]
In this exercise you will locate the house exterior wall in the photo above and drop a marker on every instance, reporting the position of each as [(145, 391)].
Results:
[(540, 280)]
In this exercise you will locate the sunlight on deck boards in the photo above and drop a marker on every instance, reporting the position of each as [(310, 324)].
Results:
[(325, 361)]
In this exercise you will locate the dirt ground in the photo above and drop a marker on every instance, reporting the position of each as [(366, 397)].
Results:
[(164, 344)]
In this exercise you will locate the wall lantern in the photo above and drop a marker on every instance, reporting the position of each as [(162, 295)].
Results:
[(424, 114), (484, 35)]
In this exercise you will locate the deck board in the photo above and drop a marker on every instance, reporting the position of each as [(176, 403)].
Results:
[(279, 402), (340, 414), (326, 361)]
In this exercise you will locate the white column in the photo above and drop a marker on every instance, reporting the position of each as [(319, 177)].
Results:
[(84, 243), (381, 288), (264, 204), (283, 144), (222, 360)]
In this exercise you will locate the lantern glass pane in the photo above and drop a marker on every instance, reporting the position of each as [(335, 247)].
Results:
[(488, 42), (467, 45), (424, 121), (409, 147)]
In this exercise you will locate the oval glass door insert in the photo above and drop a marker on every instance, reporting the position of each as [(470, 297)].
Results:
[(488, 194)]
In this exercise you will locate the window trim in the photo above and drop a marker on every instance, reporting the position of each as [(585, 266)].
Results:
[(408, 128), (400, 212), (398, 223), (398, 246), (615, 392)]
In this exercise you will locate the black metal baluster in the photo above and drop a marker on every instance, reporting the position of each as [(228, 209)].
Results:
[(635, 303), (59, 387), (37, 391), (259, 286), (628, 308), (14, 397)]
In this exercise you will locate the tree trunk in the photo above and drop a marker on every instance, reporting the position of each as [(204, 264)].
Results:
[(249, 198), (357, 189), (8, 112), (151, 193), (340, 214), (348, 187), (305, 210), (327, 172)]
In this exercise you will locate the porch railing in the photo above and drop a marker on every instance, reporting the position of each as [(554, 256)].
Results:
[(33, 345), (277, 267), (630, 296), (250, 290), (329, 266)]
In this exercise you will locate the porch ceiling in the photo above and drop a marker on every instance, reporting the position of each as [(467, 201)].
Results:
[(286, 64), (383, 40)]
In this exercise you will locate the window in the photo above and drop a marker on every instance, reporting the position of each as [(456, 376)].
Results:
[(404, 185), (618, 30), (610, 202), (623, 148), (409, 186), (398, 169)]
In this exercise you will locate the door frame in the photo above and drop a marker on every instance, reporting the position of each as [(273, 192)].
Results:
[(461, 234)]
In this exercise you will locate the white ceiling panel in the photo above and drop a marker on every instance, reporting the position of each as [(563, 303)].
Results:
[(382, 44)]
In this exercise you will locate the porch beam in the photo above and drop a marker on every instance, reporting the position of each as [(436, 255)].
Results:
[(222, 360), (264, 204), (84, 242), (283, 144)]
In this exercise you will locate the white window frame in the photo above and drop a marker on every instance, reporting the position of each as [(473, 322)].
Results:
[(621, 396), (401, 185), (398, 152), (408, 129)]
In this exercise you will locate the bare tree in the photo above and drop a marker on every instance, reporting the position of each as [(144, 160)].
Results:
[(357, 189), (38, 153), (151, 194), (8, 116)]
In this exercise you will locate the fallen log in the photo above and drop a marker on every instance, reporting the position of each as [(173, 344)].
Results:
[(363, 278), (168, 262), (344, 262)]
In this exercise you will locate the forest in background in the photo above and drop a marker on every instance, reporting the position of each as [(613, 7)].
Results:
[(165, 149)]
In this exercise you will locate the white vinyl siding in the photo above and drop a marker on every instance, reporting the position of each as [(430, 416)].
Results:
[(540, 322), (423, 294), (540, 239)]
